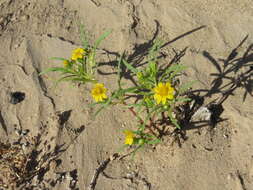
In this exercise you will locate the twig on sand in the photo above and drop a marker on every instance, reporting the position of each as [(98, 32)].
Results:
[(102, 166), (100, 169), (96, 2)]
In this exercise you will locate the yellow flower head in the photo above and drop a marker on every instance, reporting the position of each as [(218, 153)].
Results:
[(99, 92), (78, 54), (65, 63), (129, 137), (163, 92)]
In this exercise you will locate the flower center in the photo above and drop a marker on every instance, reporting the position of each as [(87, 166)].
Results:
[(163, 91), (98, 91), (79, 54)]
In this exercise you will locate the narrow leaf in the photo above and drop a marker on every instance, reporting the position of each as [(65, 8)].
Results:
[(130, 67), (54, 69), (154, 141), (101, 38), (58, 58), (83, 37), (183, 88)]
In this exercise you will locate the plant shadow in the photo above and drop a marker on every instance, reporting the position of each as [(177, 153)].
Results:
[(38, 155), (233, 72), (140, 51)]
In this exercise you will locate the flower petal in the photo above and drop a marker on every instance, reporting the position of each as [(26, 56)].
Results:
[(104, 96), (170, 96), (129, 141), (168, 85), (160, 85), (163, 100)]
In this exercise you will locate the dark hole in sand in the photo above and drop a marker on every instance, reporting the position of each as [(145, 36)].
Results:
[(17, 97)]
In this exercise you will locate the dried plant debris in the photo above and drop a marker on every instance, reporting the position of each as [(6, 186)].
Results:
[(100, 169), (27, 162), (12, 164), (134, 178)]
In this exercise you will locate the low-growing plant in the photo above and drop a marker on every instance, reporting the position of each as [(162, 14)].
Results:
[(157, 96), (82, 65), (156, 91)]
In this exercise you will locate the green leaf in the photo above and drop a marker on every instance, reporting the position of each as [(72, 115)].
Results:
[(154, 141), (171, 71), (80, 69), (133, 105), (105, 104), (80, 79), (101, 38), (183, 99), (173, 120), (83, 37), (141, 127), (154, 50), (54, 69), (130, 67), (183, 88), (58, 58), (119, 71), (153, 67), (178, 69), (130, 90), (66, 78)]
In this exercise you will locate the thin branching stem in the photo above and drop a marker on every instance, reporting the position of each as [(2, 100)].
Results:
[(131, 109)]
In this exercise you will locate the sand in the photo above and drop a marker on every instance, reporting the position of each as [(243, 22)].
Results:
[(33, 31)]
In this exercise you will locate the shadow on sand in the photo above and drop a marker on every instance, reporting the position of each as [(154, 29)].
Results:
[(233, 72)]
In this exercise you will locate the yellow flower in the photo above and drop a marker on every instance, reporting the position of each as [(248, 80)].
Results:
[(129, 137), (99, 92), (78, 54), (163, 92), (65, 63)]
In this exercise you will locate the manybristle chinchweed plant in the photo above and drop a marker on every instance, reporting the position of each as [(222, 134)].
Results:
[(156, 91), (158, 97), (81, 67)]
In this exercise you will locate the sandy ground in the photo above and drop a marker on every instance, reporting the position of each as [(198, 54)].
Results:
[(32, 31)]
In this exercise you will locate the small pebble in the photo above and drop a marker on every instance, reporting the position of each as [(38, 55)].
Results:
[(24, 17), (1, 20), (202, 114), (13, 18), (23, 7)]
